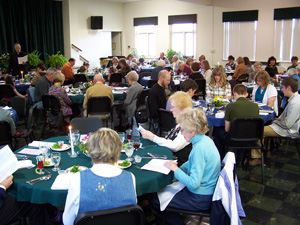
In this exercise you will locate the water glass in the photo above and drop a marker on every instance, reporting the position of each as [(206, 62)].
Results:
[(55, 157), (212, 108), (137, 158), (40, 163), (44, 149), (122, 136), (129, 151), (76, 136)]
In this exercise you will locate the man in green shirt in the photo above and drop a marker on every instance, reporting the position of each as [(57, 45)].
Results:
[(294, 61), (242, 107)]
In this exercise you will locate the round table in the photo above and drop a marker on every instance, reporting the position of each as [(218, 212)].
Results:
[(78, 99), (146, 181), (22, 88)]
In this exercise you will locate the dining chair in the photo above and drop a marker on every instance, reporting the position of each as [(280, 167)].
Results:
[(201, 91), (151, 83), (243, 78), (245, 134), (100, 107), (166, 121), (5, 134), (86, 125), (141, 112), (6, 91), (19, 104), (80, 78), (144, 74), (28, 131), (132, 214), (115, 78)]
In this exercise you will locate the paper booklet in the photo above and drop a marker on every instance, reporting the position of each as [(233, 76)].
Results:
[(23, 59), (8, 162)]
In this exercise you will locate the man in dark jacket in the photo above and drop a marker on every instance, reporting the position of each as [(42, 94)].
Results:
[(14, 66)]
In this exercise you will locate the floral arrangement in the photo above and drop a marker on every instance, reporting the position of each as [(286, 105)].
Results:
[(218, 65), (276, 82), (87, 85), (218, 101), (4, 61), (154, 64), (27, 77), (97, 69), (82, 144)]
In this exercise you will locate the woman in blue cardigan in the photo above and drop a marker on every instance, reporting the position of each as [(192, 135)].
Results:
[(199, 174)]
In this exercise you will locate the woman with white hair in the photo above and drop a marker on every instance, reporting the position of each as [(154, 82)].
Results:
[(257, 68), (198, 175), (132, 95), (104, 186)]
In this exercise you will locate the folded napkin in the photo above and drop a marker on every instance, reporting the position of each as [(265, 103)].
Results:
[(30, 151), (176, 82), (6, 107), (25, 164), (263, 113), (37, 143), (220, 115), (70, 94), (62, 182), (266, 111), (166, 195)]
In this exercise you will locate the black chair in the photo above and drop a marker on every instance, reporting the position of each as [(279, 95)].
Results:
[(141, 112), (6, 91), (100, 107), (243, 78), (123, 85), (5, 134), (80, 78), (151, 83), (144, 74), (28, 132), (201, 88), (245, 134), (115, 78), (19, 104), (86, 124), (166, 121), (132, 214), (53, 114), (153, 123)]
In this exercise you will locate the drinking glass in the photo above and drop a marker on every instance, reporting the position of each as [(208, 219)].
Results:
[(40, 163), (200, 99), (212, 108), (76, 136), (122, 136), (44, 149), (129, 134), (136, 143), (208, 108), (129, 152), (55, 156)]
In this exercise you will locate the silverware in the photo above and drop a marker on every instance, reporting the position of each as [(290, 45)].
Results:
[(34, 181), (154, 156), (148, 146)]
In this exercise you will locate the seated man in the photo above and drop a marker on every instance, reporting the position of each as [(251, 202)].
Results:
[(68, 70), (288, 123), (241, 108), (162, 57), (42, 87), (157, 96), (195, 72), (183, 69), (175, 63), (5, 116), (294, 61), (160, 66), (11, 209), (98, 90)]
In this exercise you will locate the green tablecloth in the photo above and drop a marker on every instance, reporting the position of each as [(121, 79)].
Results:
[(91, 76), (78, 99), (146, 181)]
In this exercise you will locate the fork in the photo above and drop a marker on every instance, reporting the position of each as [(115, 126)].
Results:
[(34, 181)]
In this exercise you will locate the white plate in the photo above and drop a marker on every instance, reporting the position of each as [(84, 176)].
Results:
[(65, 147), (80, 169), (122, 167), (50, 161)]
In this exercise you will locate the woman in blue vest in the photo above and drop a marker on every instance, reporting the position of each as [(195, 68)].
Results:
[(99, 188)]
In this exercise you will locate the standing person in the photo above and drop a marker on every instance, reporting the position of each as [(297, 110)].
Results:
[(175, 63), (104, 186), (160, 66), (294, 61), (195, 72), (42, 87), (257, 68), (271, 67), (218, 84), (207, 70), (68, 70), (41, 71), (162, 57), (199, 174), (230, 65), (157, 95), (14, 67)]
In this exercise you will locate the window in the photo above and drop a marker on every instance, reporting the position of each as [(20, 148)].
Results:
[(239, 39), (145, 40), (184, 38), (286, 39)]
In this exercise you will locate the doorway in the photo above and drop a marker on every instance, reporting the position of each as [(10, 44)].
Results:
[(116, 43)]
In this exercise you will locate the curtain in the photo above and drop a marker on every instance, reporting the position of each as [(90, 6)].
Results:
[(286, 39), (35, 24), (239, 39)]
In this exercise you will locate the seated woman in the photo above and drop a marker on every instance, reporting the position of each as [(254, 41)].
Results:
[(218, 85), (248, 64), (132, 95), (87, 66), (61, 94), (189, 62), (257, 68), (115, 62), (174, 140), (195, 72), (41, 71), (98, 188), (129, 59), (206, 70), (199, 174), (230, 65), (111, 70), (9, 81), (271, 67), (240, 69), (264, 92), (82, 70), (125, 68)]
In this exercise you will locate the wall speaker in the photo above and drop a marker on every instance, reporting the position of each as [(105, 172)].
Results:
[(96, 22)]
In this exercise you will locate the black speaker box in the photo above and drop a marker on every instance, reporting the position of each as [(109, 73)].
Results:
[(96, 22)]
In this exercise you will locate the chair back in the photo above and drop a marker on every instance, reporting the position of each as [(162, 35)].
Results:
[(5, 133), (31, 95), (86, 124), (141, 98), (151, 83), (141, 112), (144, 74), (98, 105), (166, 120), (123, 85), (19, 104), (243, 78), (115, 78), (51, 104), (246, 129), (80, 78), (201, 88), (6, 91), (132, 214)]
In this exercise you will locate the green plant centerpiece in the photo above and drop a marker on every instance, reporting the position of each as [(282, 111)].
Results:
[(4, 61), (171, 53), (57, 60), (219, 101), (34, 59)]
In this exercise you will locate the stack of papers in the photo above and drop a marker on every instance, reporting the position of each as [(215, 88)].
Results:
[(157, 165), (220, 115), (37, 143), (62, 182), (30, 151)]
